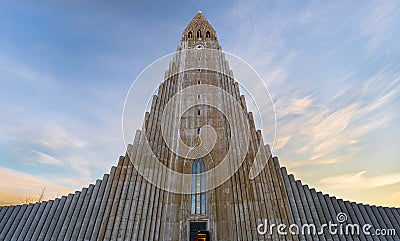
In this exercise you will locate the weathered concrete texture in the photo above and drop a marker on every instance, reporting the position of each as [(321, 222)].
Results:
[(125, 206)]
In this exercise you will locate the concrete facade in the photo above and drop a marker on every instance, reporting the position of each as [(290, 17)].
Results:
[(125, 206)]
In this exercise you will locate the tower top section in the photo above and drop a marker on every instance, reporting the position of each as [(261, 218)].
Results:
[(199, 31)]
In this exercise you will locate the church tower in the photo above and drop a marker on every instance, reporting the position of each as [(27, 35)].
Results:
[(199, 32), (200, 75), (187, 175)]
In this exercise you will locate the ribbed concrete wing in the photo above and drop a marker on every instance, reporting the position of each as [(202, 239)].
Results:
[(309, 206), (77, 216), (123, 206)]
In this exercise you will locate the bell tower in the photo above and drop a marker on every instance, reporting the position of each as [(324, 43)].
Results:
[(199, 33), (232, 209)]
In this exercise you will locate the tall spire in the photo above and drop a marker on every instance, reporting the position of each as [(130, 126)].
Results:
[(199, 31)]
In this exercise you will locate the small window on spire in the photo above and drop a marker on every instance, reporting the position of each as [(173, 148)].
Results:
[(198, 33), (208, 34), (190, 35)]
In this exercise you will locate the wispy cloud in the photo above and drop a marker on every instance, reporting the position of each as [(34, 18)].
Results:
[(44, 158), (15, 186), (295, 106), (17, 71), (365, 187), (314, 124), (55, 137), (332, 70), (358, 181), (83, 152), (281, 142), (378, 25), (337, 126)]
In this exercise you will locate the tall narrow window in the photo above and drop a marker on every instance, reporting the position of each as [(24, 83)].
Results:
[(198, 96), (198, 112), (198, 202), (208, 34), (198, 33), (190, 34), (198, 82)]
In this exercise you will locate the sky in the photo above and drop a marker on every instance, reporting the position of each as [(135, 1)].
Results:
[(332, 68)]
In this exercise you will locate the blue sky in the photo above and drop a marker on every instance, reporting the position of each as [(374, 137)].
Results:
[(332, 69)]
